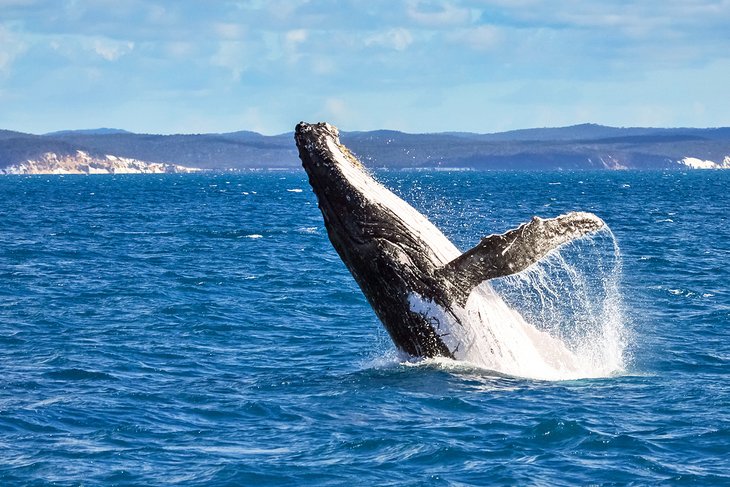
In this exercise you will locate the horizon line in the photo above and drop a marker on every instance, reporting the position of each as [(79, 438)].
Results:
[(119, 131)]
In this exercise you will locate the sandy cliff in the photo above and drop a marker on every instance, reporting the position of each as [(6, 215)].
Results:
[(83, 163)]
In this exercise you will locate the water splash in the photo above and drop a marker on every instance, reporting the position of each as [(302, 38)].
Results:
[(573, 294)]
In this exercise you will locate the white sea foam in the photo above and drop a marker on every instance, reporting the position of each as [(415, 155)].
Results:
[(560, 319), (573, 295)]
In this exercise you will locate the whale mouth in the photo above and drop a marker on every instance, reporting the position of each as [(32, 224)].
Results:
[(329, 164)]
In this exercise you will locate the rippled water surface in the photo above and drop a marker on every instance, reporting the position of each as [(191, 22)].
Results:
[(200, 330)]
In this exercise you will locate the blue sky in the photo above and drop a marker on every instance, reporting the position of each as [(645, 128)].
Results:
[(418, 66)]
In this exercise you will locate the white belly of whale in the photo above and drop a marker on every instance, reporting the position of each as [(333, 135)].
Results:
[(489, 334)]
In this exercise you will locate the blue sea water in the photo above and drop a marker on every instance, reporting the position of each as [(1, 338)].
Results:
[(201, 330)]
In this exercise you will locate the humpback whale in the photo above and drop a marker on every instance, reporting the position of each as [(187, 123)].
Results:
[(433, 299)]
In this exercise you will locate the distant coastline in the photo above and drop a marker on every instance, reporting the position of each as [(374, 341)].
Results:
[(83, 163), (578, 147)]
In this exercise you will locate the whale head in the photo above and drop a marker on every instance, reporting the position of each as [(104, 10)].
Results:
[(389, 247), (333, 174), (360, 212)]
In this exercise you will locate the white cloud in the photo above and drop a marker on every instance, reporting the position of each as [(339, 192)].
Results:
[(157, 14), (75, 46), (233, 56), (481, 38), (618, 16), (335, 109), (398, 39), (11, 46), (16, 3), (109, 49), (228, 30), (297, 36), (180, 49), (438, 15), (291, 42), (322, 65)]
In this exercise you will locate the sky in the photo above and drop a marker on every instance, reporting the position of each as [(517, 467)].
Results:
[(185, 66)]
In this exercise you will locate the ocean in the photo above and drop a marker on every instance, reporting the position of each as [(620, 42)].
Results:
[(201, 330)]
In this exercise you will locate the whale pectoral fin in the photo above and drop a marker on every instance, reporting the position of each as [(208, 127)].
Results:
[(516, 250)]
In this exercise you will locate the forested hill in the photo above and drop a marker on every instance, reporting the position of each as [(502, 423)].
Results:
[(578, 147)]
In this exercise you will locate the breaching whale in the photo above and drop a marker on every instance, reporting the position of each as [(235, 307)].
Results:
[(432, 299)]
